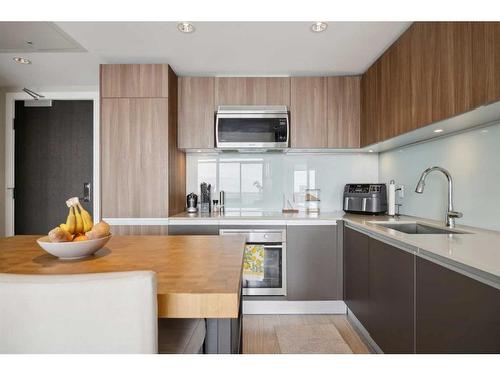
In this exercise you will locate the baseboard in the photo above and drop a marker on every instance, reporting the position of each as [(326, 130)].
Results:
[(294, 307), (363, 333)]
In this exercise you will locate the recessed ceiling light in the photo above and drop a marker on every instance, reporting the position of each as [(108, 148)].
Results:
[(21, 60), (370, 150), (438, 131), (185, 27), (319, 27)]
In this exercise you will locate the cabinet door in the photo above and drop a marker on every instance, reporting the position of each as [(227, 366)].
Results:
[(356, 275), (312, 263), (371, 106), (485, 62), (134, 157), (193, 230), (391, 298), (252, 91), (343, 111), (308, 108), (441, 70), (134, 80), (395, 89), (196, 113), (139, 230), (455, 314)]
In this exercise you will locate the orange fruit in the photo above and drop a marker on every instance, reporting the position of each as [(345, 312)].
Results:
[(80, 237)]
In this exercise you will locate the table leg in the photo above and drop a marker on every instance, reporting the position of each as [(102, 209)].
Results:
[(224, 336)]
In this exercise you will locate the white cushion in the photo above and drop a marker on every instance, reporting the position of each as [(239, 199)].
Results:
[(181, 336), (89, 313)]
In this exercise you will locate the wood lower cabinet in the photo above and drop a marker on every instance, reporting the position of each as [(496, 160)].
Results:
[(252, 91), (142, 171), (485, 62), (356, 275), (196, 113), (134, 157), (313, 263), (308, 112), (455, 313), (139, 230), (343, 111), (193, 230), (392, 306)]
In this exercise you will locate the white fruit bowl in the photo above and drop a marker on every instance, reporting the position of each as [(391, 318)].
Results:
[(72, 250)]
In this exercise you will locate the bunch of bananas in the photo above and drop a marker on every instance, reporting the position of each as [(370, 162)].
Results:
[(78, 221)]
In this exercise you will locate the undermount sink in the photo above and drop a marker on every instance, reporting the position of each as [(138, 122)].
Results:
[(417, 228)]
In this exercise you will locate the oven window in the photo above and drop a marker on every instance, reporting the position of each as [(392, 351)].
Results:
[(252, 130), (271, 277)]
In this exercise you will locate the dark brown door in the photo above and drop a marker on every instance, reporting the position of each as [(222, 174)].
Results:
[(455, 314), (53, 160), (391, 298), (356, 275)]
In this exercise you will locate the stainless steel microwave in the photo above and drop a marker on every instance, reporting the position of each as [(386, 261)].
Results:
[(252, 127)]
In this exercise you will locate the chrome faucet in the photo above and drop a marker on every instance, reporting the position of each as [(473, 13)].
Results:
[(450, 213)]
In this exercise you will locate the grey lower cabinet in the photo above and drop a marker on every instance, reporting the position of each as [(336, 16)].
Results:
[(357, 275), (455, 313), (314, 263), (391, 291), (193, 230), (379, 290)]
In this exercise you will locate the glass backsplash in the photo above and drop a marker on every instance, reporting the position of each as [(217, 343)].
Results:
[(260, 181)]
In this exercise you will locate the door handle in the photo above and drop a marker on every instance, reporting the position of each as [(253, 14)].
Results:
[(86, 192)]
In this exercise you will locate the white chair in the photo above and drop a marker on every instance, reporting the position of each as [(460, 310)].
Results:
[(89, 313)]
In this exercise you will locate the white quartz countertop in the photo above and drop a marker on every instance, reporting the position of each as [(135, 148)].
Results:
[(477, 252), (257, 217)]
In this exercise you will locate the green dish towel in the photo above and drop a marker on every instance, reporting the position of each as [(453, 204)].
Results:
[(253, 263)]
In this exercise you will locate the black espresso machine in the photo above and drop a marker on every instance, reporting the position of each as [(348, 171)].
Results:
[(365, 198)]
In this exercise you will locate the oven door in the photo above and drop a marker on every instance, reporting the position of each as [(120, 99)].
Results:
[(267, 248), (236, 131), (271, 283)]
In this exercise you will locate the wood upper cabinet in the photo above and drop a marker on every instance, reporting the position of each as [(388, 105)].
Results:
[(485, 62), (343, 111), (395, 90), (441, 70), (196, 113), (308, 112), (370, 106), (252, 91), (134, 80)]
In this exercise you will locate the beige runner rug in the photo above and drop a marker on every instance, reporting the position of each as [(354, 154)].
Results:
[(311, 339)]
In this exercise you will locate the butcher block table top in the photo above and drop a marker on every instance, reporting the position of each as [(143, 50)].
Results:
[(197, 276)]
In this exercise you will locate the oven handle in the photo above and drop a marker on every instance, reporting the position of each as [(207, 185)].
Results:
[(273, 246)]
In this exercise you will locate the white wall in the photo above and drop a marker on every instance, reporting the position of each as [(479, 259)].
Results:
[(473, 159), (258, 181)]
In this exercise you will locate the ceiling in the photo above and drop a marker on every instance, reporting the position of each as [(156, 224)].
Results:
[(215, 48)]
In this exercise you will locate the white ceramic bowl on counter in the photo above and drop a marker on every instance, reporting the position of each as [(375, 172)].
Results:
[(72, 250)]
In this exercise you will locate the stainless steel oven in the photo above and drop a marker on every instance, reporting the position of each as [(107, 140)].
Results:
[(252, 127), (273, 242)]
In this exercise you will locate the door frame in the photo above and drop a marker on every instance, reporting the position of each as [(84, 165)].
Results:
[(10, 99)]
